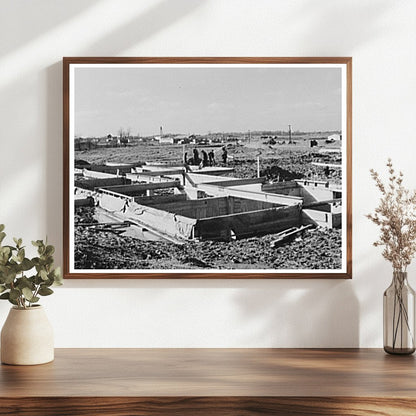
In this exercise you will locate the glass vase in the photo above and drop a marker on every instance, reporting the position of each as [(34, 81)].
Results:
[(399, 316)]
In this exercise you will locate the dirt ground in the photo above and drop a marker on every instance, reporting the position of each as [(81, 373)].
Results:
[(277, 162), (316, 249)]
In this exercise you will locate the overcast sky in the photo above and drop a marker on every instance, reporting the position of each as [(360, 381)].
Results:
[(198, 100)]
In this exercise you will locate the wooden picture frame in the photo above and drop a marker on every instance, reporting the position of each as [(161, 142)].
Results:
[(149, 206)]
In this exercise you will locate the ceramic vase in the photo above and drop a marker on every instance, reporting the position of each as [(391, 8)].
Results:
[(27, 337)]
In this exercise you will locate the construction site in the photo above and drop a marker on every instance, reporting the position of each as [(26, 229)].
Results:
[(170, 215)]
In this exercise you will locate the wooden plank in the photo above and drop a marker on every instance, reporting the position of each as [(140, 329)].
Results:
[(329, 165), (237, 182), (211, 170), (287, 235), (141, 187), (160, 172)]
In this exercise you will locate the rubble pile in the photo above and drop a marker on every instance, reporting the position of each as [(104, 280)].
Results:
[(318, 248), (289, 166)]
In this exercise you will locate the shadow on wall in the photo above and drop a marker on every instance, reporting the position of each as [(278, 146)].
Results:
[(45, 17), (301, 313), (153, 20), (157, 18), (350, 24)]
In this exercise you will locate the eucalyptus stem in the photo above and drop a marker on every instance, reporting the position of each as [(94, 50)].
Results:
[(23, 280)]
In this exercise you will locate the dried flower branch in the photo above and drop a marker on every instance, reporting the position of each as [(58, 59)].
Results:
[(396, 217)]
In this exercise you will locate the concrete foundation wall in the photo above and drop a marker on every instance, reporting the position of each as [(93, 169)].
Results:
[(101, 183), (204, 178), (248, 224), (310, 191), (93, 174), (312, 194), (116, 169), (321, 218), (141, 188), (159, 199), (213, 207), (142, 177), (215, 190), (285, 188), (255, 187)]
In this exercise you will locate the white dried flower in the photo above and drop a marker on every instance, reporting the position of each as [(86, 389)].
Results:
[(396, 217)]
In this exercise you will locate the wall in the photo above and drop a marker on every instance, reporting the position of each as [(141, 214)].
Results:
[(380, 35), (213, 206)]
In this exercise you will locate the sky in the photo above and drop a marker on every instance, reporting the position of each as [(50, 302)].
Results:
[(205, 99)]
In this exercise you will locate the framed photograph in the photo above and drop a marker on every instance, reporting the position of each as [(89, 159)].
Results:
[(207, 168)]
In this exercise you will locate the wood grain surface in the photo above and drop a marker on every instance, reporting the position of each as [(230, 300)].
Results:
[(212, 381)]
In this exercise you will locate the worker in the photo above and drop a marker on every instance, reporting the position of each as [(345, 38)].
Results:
[(204, 158), (186, 162), (211, 158), (196, 157), (224, 155)]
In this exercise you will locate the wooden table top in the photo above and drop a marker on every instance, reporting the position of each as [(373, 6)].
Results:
[(214, 372)]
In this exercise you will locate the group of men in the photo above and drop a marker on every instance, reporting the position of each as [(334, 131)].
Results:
[(206, 159)]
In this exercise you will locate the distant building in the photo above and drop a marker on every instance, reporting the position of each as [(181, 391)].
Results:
[(334, 137), (166, 140)]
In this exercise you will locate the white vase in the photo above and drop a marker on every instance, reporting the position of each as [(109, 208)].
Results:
[(27, 337)]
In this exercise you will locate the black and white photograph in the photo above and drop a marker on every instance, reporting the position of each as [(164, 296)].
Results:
[(207, 169)]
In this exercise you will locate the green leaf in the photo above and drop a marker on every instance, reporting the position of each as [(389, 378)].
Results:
[(21, 255), (2, 288), (8, 277), (4, 255), (5, 249), (26, 264), (5, 295), (18, 242), (45, 291), (38, 280), (58, 280), (43, 274), (2, 236), (2, 227), (49, 250), (37, 243), (24, 282), (15, 294), (27, 293)]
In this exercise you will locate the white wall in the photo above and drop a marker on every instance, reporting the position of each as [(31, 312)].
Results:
[(380, 35)]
